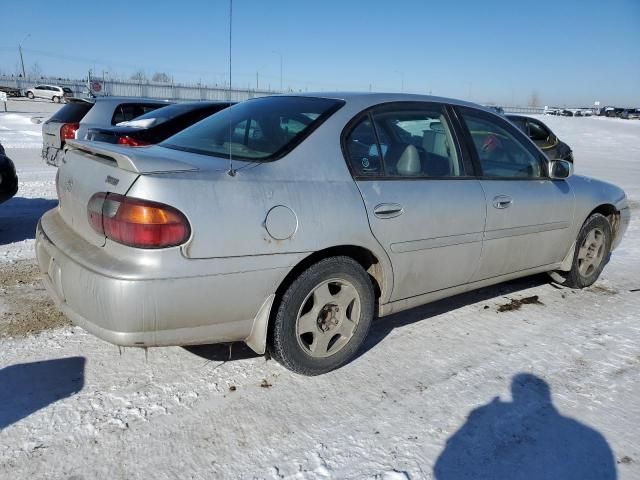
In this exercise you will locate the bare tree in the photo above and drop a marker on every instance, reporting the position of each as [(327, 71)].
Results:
[(534, 99), (139, 76), (161, 77)]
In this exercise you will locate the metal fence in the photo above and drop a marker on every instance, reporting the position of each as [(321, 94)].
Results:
[(131, 88), (530, 110)]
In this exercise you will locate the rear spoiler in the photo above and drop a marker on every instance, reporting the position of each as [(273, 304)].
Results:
[(128, 159)]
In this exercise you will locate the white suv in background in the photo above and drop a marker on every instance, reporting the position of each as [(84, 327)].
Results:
[(54, 93)]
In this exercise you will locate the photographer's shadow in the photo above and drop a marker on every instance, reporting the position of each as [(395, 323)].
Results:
[(525, 439)]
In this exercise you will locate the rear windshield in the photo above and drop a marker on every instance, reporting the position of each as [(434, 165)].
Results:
[(259, 129), (161, 115), (128, 111), (67, 90), (71, 112)]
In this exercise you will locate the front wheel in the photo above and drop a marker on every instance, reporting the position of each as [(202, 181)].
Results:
[(323, 317), (30, 95), (591, 254)]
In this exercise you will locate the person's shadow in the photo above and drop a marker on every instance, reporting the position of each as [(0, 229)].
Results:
[(525, 439)]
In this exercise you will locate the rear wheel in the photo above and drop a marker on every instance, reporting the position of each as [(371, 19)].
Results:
[(591, 254), (30, 95), (323, 317), (56, 99)]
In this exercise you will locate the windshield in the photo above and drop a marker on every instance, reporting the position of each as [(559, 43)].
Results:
[(260, 129)]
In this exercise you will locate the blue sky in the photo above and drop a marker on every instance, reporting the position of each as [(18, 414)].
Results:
[(570, 52)]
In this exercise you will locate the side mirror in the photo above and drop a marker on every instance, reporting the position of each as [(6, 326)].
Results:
[(559, 169)]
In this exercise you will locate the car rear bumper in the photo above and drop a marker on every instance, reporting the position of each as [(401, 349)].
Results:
[(147, 312)]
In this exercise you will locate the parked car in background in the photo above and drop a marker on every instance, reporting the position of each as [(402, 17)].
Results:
[(614, 112), (8, 177), (79, 115), (543, 137), (11, 91), (289, 221), (497, 109), (157, 125), (566, 113), (630, 114), (50, 92)]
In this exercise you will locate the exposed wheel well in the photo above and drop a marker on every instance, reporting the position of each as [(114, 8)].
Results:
[(363, 256), (613, 215)]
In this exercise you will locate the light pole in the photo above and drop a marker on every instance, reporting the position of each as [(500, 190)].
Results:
[(24, 74), (278, 53), (258, 76)]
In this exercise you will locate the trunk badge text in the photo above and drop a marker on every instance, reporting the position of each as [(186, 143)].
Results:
[(68, 184), (113, 181)]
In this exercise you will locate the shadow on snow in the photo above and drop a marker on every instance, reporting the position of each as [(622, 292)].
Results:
[(26, 388), (19, 217)]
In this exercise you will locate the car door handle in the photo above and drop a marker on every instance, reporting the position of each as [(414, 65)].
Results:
[(388, 210), (502, 201)]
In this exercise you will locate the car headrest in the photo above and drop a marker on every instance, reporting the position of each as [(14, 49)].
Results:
[(409, 162)]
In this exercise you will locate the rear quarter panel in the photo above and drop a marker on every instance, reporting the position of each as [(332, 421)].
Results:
[(228, 214)]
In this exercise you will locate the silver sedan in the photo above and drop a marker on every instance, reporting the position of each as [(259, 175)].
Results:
[(289, 222)]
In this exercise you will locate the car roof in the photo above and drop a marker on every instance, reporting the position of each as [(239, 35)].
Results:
[(374, 98)]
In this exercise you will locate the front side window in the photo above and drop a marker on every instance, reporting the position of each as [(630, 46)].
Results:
[(259, 129), (500, 152)]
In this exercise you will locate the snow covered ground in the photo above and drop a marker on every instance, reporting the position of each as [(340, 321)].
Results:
[(453, 390)]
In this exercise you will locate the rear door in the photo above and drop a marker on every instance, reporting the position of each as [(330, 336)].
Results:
[(528, 214), (423, 204)]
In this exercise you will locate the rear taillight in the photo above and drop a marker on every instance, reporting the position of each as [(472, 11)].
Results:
[(68, 131), (136, 222), (132, 142)]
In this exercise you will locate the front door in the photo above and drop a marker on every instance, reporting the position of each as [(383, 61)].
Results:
[(423, 204), (528, 214)]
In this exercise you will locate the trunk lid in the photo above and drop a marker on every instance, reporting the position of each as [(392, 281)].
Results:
[(90, 168)]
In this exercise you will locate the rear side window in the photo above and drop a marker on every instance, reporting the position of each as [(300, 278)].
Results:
[(71, 112), (408, 141), (128, 111), (260, 129)]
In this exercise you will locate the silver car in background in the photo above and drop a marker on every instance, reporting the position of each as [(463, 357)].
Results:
[(74, 120), (50, 92), (289, 222)]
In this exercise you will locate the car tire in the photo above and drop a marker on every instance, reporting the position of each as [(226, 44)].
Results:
[(56, 99), (593, 246), (30, 95), (323, 317)]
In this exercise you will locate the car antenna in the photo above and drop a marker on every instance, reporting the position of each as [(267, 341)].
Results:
[(231, 171)]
